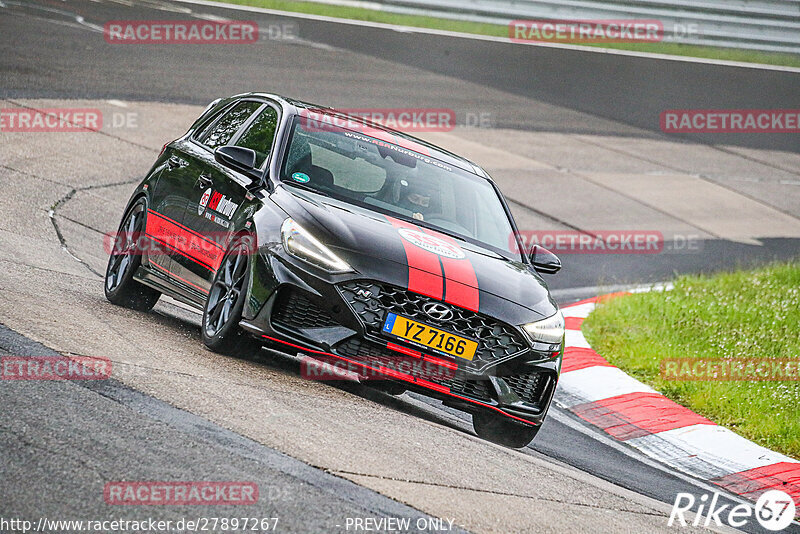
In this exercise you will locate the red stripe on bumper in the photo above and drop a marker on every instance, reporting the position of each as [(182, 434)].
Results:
[(404, 350), (426, 357), (406, 378)]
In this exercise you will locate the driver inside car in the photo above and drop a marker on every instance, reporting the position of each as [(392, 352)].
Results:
[(416, 200), (422, 202)]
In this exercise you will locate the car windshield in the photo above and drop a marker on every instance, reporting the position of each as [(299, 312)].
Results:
[(394, 175)]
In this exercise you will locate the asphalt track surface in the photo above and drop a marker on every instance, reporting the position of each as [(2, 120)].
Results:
[(60, 449)]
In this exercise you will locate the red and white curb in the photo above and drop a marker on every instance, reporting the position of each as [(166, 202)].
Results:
[(634, 413)]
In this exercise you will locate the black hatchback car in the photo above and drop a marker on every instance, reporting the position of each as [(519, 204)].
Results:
[(336, 239)]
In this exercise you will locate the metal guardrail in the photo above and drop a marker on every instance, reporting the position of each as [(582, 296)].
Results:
[(768, 25)]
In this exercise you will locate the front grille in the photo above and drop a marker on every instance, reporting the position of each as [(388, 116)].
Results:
[(366, 352), (375, 354), (294, 309), (529, 387), (476, 389), (371, 301)]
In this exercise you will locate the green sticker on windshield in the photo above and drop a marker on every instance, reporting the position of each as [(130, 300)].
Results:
[(300, 177)]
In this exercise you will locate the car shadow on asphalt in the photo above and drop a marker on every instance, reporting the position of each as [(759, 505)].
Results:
[(169, 317), (278, 360)]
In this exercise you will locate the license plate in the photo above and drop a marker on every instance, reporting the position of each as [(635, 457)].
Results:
[(429, 337)]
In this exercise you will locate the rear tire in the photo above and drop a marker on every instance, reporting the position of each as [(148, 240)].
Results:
[(220, 328), (126, 257), (503, 431)]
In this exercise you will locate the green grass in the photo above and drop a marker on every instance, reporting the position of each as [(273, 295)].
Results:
[(498, 30), (743, 314)]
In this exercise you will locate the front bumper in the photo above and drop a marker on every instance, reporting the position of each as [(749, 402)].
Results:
[(339, 321)]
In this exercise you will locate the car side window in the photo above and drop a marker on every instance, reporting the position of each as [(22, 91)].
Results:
[(260, 134), (224, 129)]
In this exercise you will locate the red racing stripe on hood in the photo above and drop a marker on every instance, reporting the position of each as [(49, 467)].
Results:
[(461, 281), (424, 269), (462, 284)]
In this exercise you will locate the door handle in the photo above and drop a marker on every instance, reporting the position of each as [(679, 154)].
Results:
[(204, 180), (175, 162)]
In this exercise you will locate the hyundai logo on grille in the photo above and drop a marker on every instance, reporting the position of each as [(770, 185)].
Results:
[(364, 293), (437, 311)]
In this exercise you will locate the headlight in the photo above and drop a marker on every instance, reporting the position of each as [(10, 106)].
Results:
[(549, 330), (300, 244)]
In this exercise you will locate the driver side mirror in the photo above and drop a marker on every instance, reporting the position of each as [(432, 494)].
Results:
[(544, 261), (239, 158)]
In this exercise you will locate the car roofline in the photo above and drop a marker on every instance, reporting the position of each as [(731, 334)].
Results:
[(294, 107)]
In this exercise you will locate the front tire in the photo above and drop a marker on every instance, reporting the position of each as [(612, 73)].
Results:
[(126, 257), (223, 310), (503, 431)]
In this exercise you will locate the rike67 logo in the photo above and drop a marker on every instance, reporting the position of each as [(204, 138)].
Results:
[(775, 510)]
